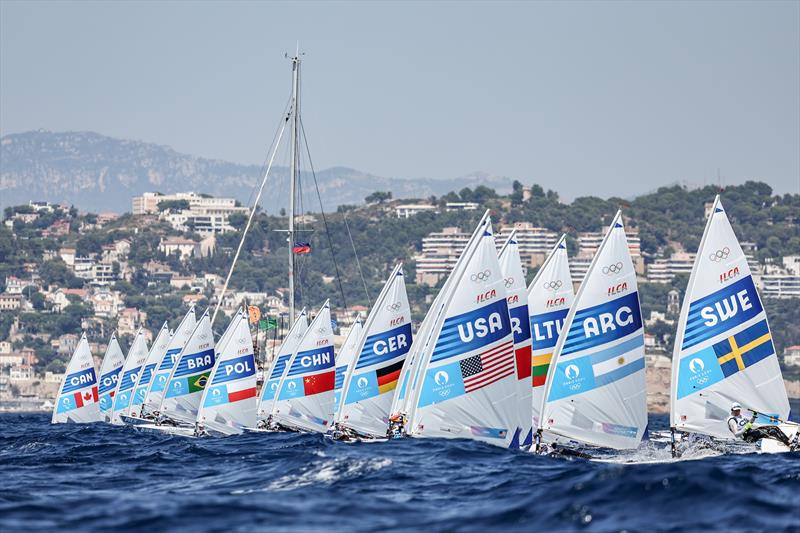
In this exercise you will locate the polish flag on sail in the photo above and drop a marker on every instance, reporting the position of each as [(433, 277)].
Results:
[(86, 397)]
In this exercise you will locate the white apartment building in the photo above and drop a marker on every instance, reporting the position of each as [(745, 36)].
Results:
[(205, 214), (664, 270), (534, 242), (779, 281), (409, 210), (440, 251), (461, 206)]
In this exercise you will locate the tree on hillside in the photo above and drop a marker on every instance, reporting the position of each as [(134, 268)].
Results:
[(378, 197), (173, 205)]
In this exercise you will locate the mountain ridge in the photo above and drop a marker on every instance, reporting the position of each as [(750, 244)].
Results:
[(101, 173)]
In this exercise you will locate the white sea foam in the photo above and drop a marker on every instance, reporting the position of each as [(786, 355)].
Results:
[(324, 473)]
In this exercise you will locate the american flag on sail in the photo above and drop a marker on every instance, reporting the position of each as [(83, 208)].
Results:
[(488, 367)]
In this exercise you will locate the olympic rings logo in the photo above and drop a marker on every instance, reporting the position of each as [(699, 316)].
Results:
[(481, 276), (613, 268), (394, 307), (509, 282), (719, 255), (552, 285)]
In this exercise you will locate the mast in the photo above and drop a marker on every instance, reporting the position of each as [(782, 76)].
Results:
[(295, 154)]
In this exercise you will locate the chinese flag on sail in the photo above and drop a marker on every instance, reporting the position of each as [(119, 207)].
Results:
[(319, 383)]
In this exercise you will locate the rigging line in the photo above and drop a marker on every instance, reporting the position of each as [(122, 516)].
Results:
[(358, 263), (264, 163), (324, 219), (250, 219)]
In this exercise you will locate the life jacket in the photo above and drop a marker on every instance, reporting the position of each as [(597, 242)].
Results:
[(740, 422)]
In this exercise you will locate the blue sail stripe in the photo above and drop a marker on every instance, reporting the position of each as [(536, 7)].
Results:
[(619, 373)]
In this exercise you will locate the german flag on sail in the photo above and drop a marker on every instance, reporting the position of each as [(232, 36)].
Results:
[(745, 348), (388, 376), (540, 364)]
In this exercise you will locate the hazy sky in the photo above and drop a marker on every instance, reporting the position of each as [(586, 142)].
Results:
[(587, 98)]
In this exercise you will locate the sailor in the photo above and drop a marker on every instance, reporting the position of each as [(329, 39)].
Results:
[(743, 428)]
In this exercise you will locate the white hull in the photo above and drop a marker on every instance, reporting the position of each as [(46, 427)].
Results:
[(179, 431)]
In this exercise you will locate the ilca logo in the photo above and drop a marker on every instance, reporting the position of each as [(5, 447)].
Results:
[(719, 255), (362, 382), (481, 277), (614, 268), (552, 285)]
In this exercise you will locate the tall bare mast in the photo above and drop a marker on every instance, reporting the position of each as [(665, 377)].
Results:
[(294, 169)]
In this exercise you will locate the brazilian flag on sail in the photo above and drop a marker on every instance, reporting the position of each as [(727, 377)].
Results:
[(198, 382)]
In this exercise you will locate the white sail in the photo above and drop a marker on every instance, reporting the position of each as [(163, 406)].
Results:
[(155, 391), (723, 348), (77, 400), (517, 298), (401, 401), (137, 355), (373, 375), (596, 393), (228, 403), (280, 365), (550, 295), (305, 394), (346, 355), (190, 375), (467, 377), (110, 370), (409, 376), (157, 351)]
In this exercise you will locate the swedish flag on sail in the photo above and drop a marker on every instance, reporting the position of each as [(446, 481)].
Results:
[(743, 349)]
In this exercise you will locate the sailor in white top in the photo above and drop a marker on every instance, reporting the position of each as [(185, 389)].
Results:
[(742, 428)]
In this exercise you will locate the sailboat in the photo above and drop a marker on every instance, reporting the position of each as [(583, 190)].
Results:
[(595, 394), (110, 370), (305, 394), (517, 298), (346, 354), (550, 295), (373, 374), (189, 376), (723, 348), (157, 351), (401, 404), (466, 375), (278, 369), (137, 355), (228, 402), (155, 390), (77, 400)]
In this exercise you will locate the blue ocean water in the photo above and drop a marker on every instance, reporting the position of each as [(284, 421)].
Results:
[(102, 477)]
